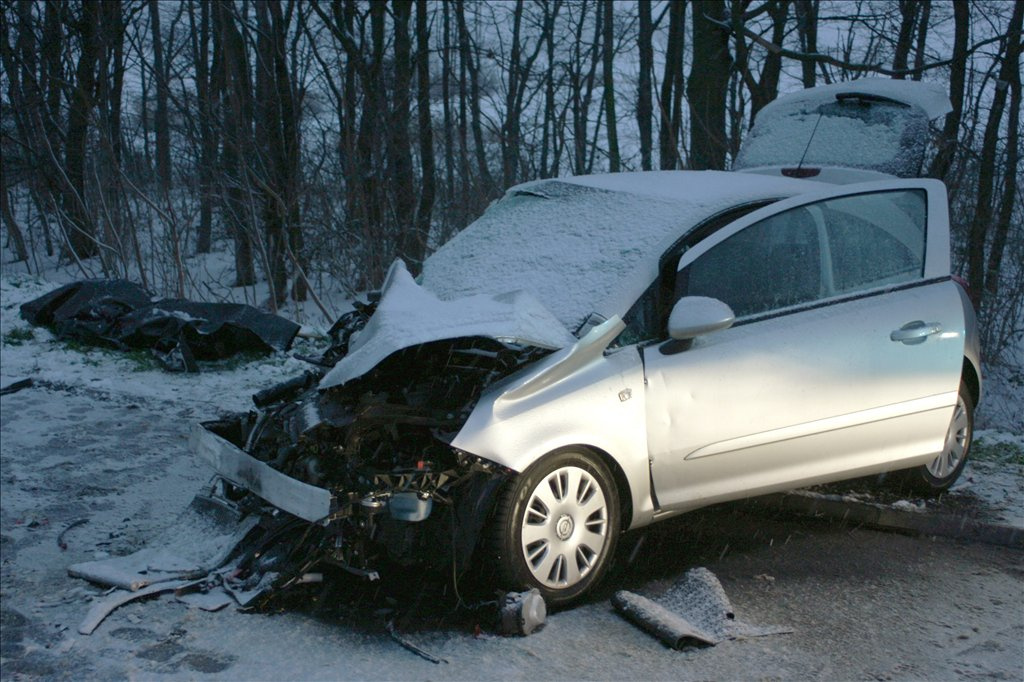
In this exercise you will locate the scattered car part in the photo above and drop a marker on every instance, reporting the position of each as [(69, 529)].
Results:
[(695, 609), (16, 386), (673, 631), (395, 635), (116, 599), (200, 540), (522, 613), (74, 524), (121, 314)]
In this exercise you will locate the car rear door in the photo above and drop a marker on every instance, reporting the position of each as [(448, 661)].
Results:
[(844, 359)]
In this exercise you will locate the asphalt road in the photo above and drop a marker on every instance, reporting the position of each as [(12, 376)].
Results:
[(863, 604)]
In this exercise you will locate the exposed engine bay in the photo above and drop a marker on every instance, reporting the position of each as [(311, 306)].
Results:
[(379, 449)]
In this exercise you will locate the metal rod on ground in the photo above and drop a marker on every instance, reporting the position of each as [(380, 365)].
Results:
[(410, 646)]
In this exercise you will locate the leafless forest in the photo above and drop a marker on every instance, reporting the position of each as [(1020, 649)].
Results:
[(314, 142)]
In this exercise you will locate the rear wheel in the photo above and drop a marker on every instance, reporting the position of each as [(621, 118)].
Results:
[(938, 475), (556, 526)]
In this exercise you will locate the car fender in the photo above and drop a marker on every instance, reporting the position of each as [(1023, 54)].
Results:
[(598, 405)]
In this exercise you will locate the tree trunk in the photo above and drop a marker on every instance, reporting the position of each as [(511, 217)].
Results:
[(957, 78), (476, 127), (767, 88), (416, 250), (510, 124), (161, 122), (807, 29), (449, 139), (1010, 74), (608, 59), (904, 40), (708, 87), (672, 85), (548, 159), (922, 38), (207, 140), (13, 231), (644, 105), (410, 245), (237, 124), (81, 232)]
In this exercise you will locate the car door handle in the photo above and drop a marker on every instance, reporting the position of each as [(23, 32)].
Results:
[(915, 332)]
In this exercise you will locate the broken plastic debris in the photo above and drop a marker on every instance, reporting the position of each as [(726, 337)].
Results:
[(522, 613)]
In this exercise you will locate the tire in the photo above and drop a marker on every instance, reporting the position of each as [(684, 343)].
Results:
[(556, 527), (938, 475)]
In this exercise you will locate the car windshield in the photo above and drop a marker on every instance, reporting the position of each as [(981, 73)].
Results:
[(574, 248)]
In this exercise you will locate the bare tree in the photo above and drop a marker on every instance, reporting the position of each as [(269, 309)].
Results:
[(670, 102), (644, 105), (707, 87), (607, 61)]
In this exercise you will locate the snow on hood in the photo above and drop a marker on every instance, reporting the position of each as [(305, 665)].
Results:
[(409, 315)]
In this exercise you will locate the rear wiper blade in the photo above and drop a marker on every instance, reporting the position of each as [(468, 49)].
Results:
[(867, 98)]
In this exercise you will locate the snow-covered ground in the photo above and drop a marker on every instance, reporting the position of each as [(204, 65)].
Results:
[(103, 438)]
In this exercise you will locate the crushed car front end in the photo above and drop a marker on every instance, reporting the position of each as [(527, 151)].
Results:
[(367, 469)]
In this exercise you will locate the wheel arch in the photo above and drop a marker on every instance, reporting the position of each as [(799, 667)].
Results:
[(972, 378), (622, 487)]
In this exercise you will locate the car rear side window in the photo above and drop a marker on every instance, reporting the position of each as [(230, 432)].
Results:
[(875, 239)]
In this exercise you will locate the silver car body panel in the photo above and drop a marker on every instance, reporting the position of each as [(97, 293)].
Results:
[(835, 397), (284, 492), (600, 405)]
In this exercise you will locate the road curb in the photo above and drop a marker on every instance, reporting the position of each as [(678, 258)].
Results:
[(888, 518)]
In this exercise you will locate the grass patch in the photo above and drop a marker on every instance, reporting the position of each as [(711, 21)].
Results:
[(18, 336), (984, 450)]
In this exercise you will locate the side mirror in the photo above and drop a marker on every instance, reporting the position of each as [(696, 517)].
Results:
[(697, 315)]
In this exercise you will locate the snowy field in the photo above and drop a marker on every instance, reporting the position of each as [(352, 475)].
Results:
[(102, 436)]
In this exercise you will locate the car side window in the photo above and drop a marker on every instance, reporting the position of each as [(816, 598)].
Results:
[(828, 248), (875, 239), (772, 264)]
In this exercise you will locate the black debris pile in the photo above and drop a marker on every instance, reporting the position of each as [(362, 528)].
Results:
[(121, 314)]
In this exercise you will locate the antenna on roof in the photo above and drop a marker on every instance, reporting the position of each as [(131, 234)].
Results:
[(809, 140)]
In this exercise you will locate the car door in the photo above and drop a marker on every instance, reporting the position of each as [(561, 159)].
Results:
[(844, 358)]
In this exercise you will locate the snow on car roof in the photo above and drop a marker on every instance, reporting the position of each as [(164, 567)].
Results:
[(589, 243)]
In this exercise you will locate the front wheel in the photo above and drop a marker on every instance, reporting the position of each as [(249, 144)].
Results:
[(557, 526), (938, 475)]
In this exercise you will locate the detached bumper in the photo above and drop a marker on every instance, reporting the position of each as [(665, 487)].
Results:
[(284, 492)]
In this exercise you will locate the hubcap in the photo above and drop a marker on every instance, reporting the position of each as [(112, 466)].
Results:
[(957, 439), (565, 527)]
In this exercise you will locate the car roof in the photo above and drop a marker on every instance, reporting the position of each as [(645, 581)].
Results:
[(711, 187)]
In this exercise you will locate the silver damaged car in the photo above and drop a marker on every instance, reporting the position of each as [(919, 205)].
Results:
[(595, 354)]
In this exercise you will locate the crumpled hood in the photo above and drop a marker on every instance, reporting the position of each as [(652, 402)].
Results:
[(408, 315)]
